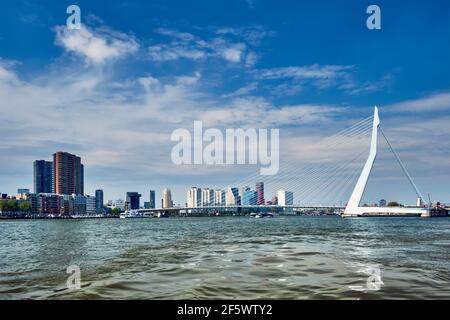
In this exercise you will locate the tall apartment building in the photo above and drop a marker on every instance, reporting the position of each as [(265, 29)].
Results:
[(260, 191), (68, 174), (43, 176)]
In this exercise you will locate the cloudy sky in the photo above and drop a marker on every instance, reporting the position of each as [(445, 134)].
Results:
[(113, 91)]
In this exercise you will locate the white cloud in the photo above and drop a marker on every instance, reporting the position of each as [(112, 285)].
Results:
[(434, 102), (306, 72), (96, 46)]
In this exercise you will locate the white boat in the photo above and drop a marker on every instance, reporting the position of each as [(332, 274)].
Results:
[(132, 215)]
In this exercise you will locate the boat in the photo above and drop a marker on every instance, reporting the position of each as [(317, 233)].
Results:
[(132, 215), (261, 215)]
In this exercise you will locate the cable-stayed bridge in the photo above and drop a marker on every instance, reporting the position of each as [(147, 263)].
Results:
[(330, 177)]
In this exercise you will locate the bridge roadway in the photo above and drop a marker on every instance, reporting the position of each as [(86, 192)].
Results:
[(236, 209)]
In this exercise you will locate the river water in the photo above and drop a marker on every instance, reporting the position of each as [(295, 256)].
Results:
[(227, 257)]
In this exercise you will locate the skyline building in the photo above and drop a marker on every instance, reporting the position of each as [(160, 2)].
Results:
[(207, 197), (219, 197), (99, 201), (194, 196), (249, 198), (285, 198), (260, 193), (152, 202), (133, 200), (43, 176), (167, 199), (233, 197), (68, 174)]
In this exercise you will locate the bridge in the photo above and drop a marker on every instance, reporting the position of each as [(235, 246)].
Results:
[(319, 182)]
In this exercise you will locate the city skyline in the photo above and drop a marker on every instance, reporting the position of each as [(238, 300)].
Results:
[(116, 104)]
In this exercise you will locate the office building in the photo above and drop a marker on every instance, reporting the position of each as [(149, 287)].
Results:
[(232, 197), (91, 205), (219, 197), (285, 198), (382, 203), (43, 176), (260, 191), (133, 200), (167, 199), (99, 201), (120, 204), (249, 198), (207, 197), (194, 196), (152, 204), (68, 174)]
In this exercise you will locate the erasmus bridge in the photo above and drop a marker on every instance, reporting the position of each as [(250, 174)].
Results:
[(327, 179)]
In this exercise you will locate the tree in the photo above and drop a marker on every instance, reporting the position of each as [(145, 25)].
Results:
[(393, 204), (25, 206), (116, 211)]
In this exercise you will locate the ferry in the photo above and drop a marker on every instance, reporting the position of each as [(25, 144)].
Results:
[(261, 215), (132, 215)]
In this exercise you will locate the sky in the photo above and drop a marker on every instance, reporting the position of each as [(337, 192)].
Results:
[(114, 91)]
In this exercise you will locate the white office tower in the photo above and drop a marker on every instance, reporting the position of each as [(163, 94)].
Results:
[(194, 197), (207, 197), (219, 197)]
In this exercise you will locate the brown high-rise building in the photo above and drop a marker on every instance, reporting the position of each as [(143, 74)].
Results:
[(68, 174)]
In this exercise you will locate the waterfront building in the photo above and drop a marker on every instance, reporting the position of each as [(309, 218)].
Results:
[(49, 204), (66, 207), (91, 205), (382, 203), (152, 204), (43, 176), (133, 200), (274, 200), (207, 197), (79, 204), (147, 205), (120, 204), (68, 174), (219, 197), (260, 191), (249, 198), (194, 196), (99, 201), (167, 199), (233, 198), (285, 198)]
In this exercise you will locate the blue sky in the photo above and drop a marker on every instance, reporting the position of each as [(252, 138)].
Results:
[(114, 91)]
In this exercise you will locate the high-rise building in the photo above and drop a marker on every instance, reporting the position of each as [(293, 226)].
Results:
[(91, 205), (133, 200), (152, 204), (68, 174), (99, 201), (194, 196), (167, 199), (260, 192), (285, 198), (249, 198), (207, 197), (219, 197), (43, 176), (233, 198)]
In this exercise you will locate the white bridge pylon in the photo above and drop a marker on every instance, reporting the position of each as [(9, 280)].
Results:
[(353, 208)]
